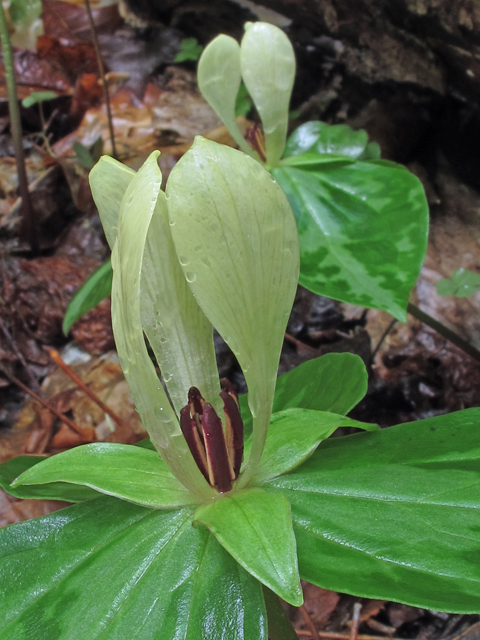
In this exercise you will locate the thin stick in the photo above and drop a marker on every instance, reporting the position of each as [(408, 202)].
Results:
[(444, 331), (28, 214), (11, 342), (101, 70), (382, 339), (44, 403), (313, 629), (55, 356), (357, 608)]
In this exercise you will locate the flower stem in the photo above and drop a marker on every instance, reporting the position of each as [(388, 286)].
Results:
[(28, 214), (279, 626)]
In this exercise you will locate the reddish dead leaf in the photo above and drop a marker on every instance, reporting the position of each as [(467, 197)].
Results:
[(71, 59), (69, 23), (370, 609), (13, 510), (94, 330), (34, 74), (472, 633), (319, 604)]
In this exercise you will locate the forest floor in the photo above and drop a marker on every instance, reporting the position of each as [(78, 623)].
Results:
[(414, 372)]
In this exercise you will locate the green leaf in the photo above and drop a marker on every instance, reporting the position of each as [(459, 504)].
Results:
[(219, 79), (57, 491), (315, 160), (393, 514), (142, 200), (362, 229), (463, 283), (268, 70), (235, 236), (190, 50), (293, 435), (335, 382), (113, 570), (130, 473), (255, 528), (83, 155), (38, 96), (95, 289), (321, 138)]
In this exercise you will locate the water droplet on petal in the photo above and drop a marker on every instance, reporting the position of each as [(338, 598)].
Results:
[(190, 276)]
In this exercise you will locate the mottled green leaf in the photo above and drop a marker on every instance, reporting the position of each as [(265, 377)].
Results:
[(268, 70), (363, 231), (462, 284), (11, 469), (236, 240), (256, 529), (393, 514), (95, 289), (190, 50), (321, 138), (111, 570), (130, 473)]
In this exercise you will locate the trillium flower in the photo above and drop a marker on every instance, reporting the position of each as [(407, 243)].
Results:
[(265, 61), (218, 249)]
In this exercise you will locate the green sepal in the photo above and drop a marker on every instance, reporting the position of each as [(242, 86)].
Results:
[(256, 529), (13, 468), (335, 382), (393, 514), (113, 570), (293, 435), (95, 289), (130, 473)]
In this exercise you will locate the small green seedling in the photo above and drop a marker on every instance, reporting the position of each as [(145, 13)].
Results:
[(190, 50), (462, 284), (37, 97), (232, 500)]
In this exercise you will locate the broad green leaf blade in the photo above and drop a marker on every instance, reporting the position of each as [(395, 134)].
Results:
[(321, 138), (362, 229), (235, 236), (178, 331), (11, 469), (111, 570), (255, 528), (130, 473), (316, 160), (141, 198), (393, 514), (268, 70), (92, 292), (219, 78), (335, 382), (109, 180), (292, 437)]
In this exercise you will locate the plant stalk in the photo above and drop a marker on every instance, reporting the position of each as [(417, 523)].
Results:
[(29, 226), (444, 331), (279, 626), (101, 70)]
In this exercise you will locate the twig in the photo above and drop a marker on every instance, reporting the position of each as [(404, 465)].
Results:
[(313, 629), (55, 356), (101, 70), (444, 331), (382, 339), (29, 223), (11, 342), (357, 608), (83, 432)]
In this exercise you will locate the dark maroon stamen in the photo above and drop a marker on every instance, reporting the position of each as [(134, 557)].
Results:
[(191, 435), (219, 470), (217, 452)]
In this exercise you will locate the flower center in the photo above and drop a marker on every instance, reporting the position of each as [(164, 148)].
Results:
[(218, 452)]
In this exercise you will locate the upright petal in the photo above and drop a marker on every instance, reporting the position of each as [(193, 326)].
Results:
[(219, 79), (141, 200), (268, 70), (236, 235)]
